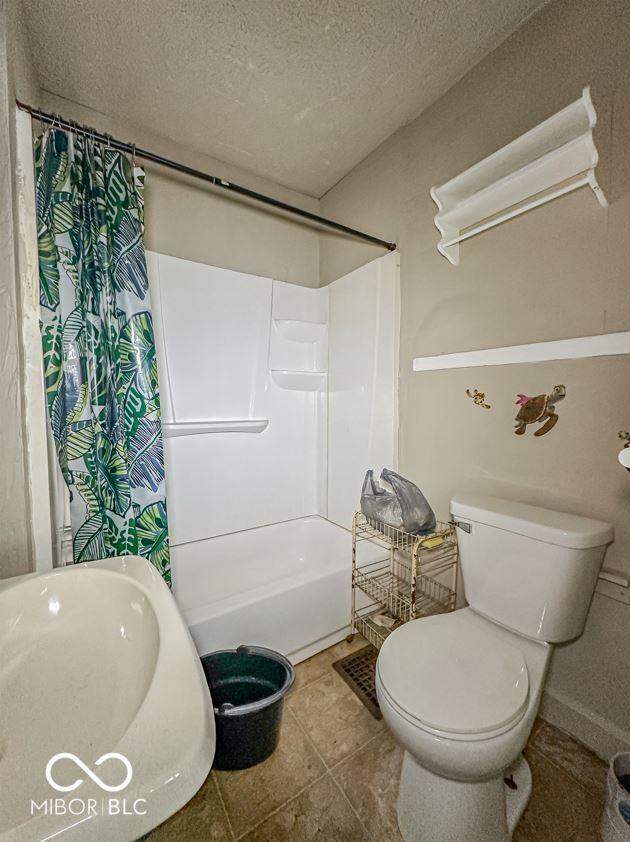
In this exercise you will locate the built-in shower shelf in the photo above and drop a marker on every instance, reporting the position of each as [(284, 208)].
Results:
[(302, 381), (195, 428), (296, 330)]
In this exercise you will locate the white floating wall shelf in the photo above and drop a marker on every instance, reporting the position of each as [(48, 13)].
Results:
[(552, 159), (174, 429), (600, 345)]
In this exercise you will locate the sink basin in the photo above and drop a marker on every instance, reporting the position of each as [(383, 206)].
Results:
[(97, 665)]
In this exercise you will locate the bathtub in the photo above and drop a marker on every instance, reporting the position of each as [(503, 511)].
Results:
[(286, 586)]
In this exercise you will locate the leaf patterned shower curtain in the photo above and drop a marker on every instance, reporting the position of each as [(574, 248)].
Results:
[(99, 352)]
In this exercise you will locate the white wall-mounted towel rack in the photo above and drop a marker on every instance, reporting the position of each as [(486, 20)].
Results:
[(552, 159)]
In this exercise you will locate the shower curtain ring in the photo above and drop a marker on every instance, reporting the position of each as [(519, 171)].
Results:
[(56, 119)]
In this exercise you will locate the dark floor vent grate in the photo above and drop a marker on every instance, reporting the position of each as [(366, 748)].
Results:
[(357, 670)]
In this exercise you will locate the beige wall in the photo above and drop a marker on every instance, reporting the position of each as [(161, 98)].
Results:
[(562, 270), (16, 79), (188, 219)]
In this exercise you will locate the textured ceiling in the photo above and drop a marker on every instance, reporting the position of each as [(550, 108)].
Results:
[(298, 91)]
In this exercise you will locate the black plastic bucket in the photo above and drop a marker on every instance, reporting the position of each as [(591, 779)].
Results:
[(248, 686)]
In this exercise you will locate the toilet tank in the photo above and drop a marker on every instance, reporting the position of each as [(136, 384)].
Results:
[(530, 569)]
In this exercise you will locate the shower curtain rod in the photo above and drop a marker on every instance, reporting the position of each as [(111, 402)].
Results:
[(121, 146)]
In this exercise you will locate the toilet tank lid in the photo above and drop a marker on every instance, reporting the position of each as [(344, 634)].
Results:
[(561, 528)]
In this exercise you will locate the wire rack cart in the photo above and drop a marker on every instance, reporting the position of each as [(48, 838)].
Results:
[(415, 577)]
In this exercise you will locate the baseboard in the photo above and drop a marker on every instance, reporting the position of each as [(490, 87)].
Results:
[(601, 735)]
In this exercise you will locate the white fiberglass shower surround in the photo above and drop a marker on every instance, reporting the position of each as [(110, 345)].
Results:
[(275, 400)]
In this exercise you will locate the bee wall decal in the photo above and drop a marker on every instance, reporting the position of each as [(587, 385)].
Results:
[(479, 398)]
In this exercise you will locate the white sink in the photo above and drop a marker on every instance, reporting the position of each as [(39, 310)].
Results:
[(96, 659)]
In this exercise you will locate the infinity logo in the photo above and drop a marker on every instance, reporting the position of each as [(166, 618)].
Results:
[(112, 755)]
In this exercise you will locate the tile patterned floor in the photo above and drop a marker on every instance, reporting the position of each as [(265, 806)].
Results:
[(335, 777)]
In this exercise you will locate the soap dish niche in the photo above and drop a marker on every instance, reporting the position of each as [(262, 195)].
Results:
[(298, 354), (298, 344), (295, 330), (302, 381)]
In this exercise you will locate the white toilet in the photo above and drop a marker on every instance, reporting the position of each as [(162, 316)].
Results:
[(461, 691)]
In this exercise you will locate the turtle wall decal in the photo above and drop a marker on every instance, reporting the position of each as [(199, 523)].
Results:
[(541, 409)]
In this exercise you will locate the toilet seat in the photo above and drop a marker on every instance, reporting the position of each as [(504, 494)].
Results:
[(454, 676)]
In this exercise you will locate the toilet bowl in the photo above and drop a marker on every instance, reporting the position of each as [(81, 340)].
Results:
[(460, 691), (460, 694)]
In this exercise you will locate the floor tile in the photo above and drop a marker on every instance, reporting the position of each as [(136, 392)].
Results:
[(559, 808), (333, 717), (320, 812), (251, 794), (293, 797), (577, 760), (201, 820), (308, 671), (344, 647), (538, 723), (370, 780), (587, 836)]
